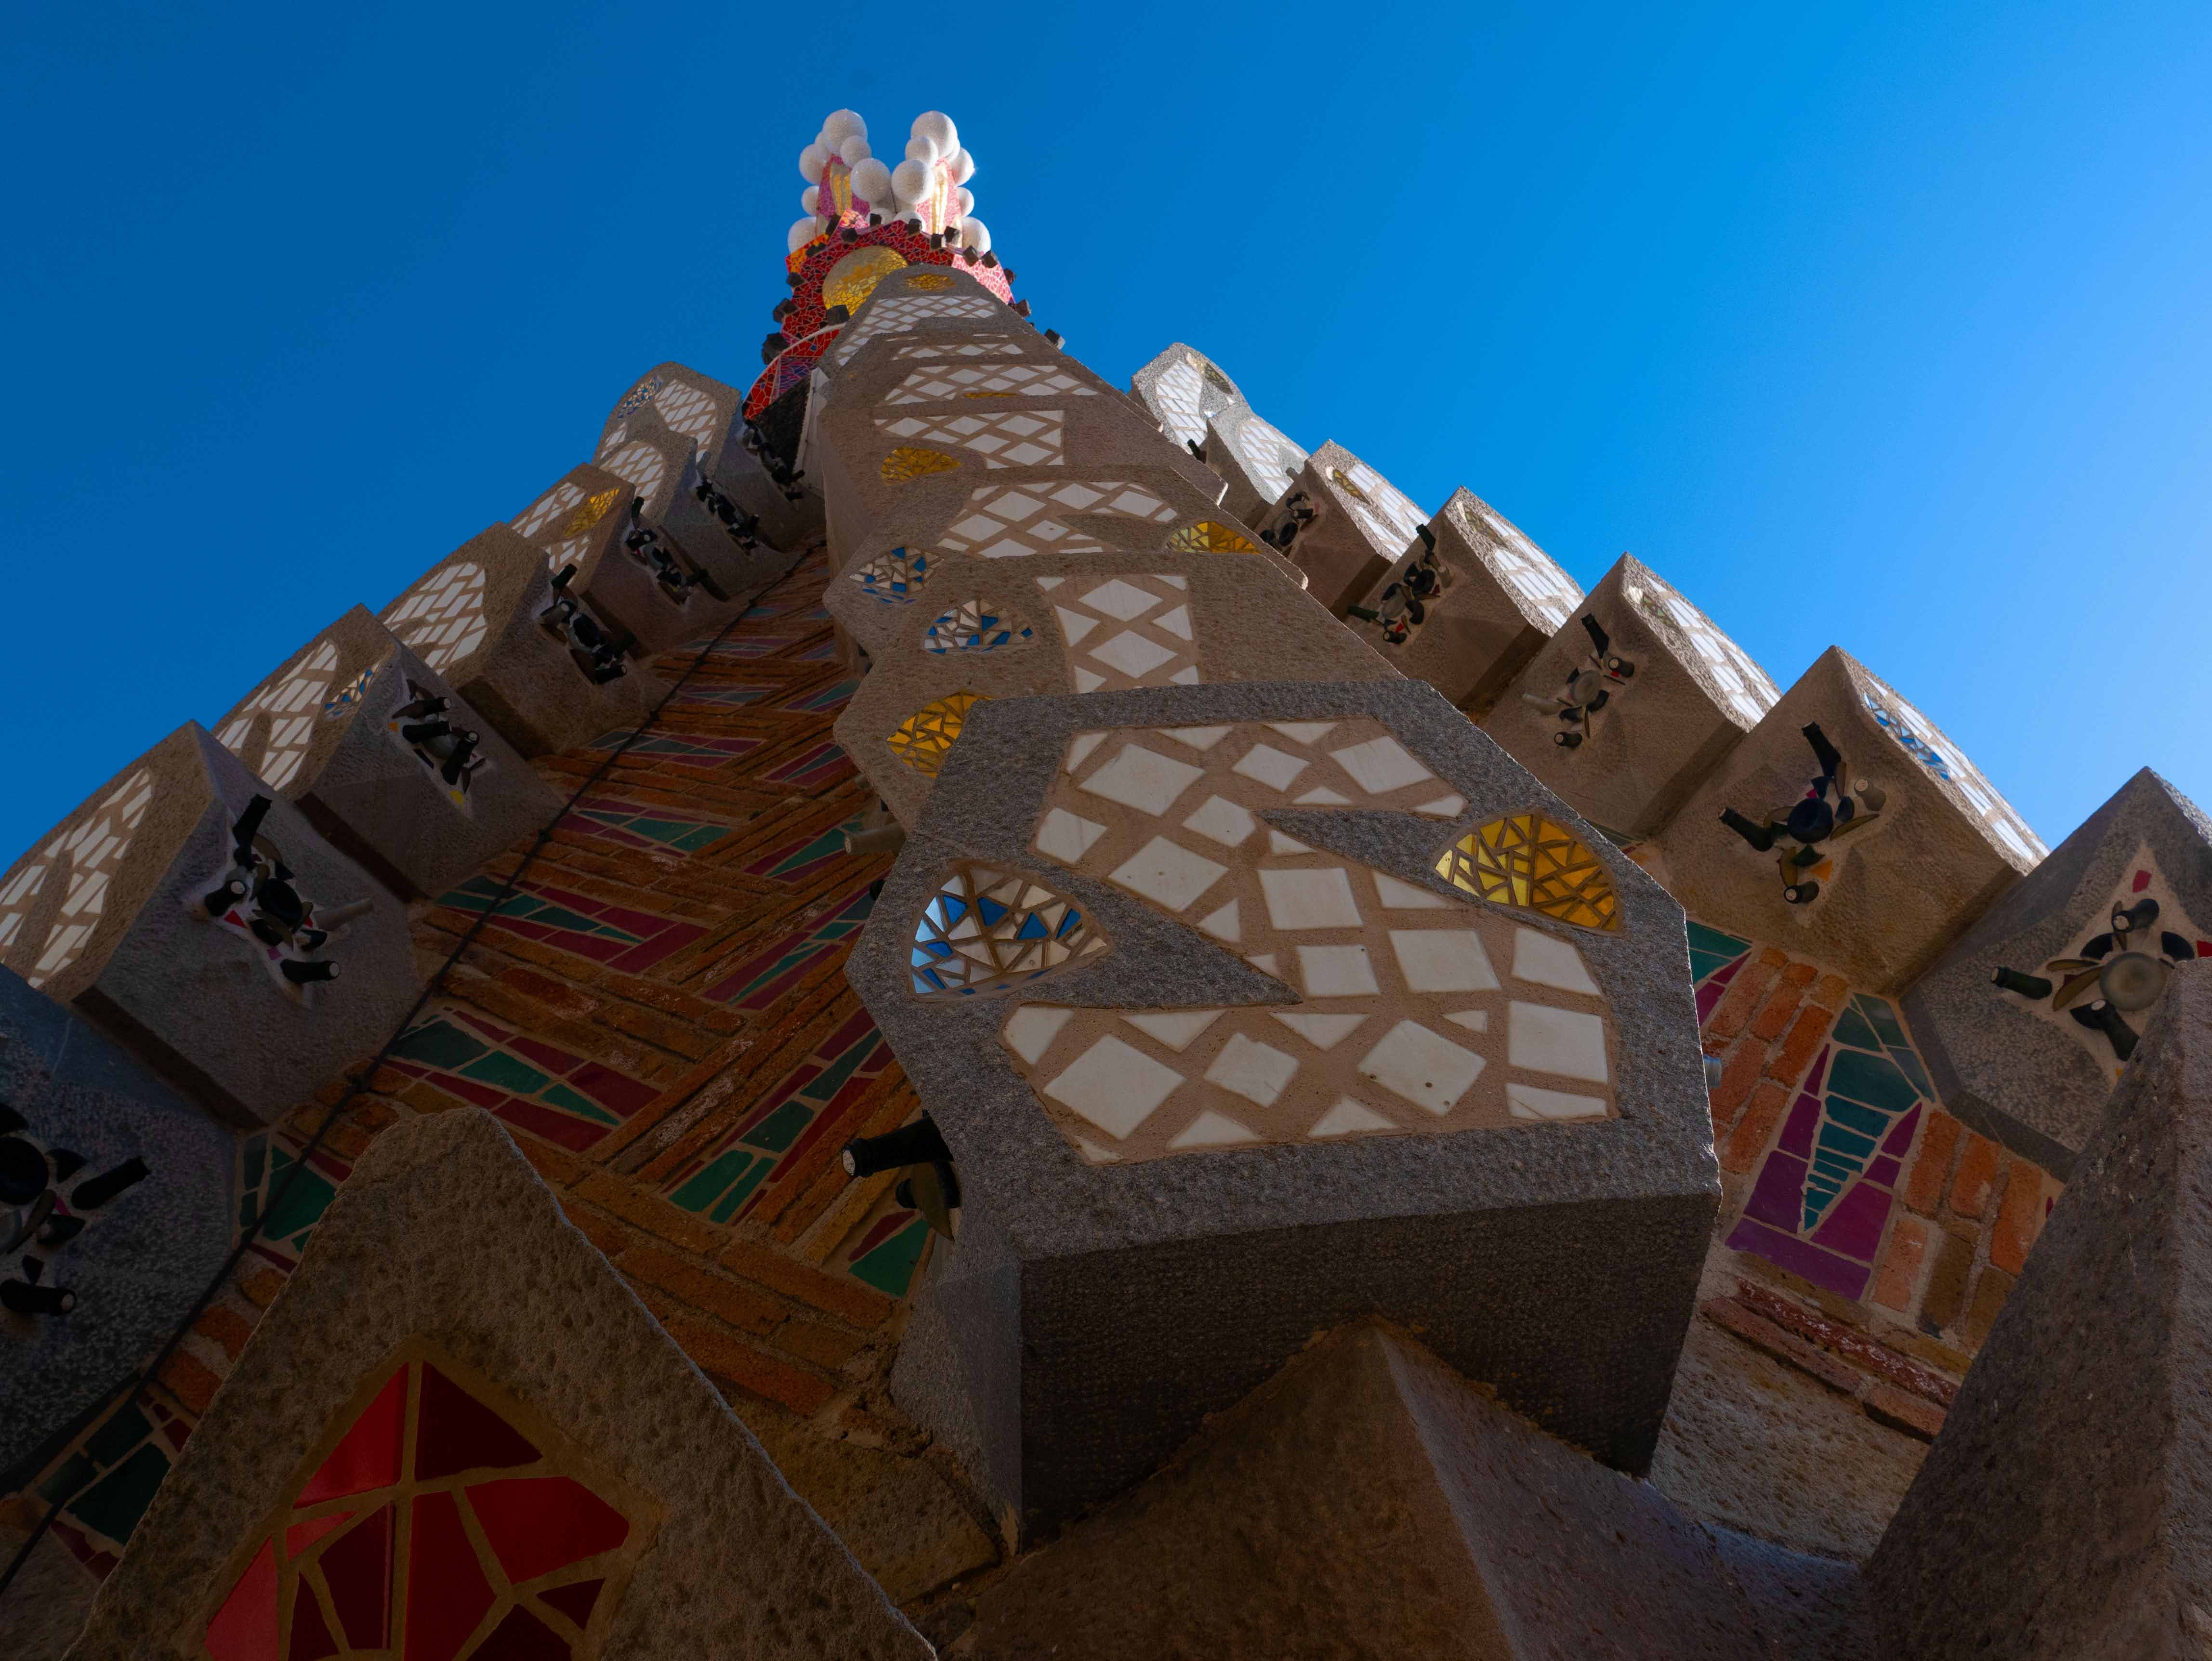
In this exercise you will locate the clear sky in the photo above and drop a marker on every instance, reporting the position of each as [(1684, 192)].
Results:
[(1882, 326)]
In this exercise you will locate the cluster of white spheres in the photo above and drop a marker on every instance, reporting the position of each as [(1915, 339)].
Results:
[(934, 142)]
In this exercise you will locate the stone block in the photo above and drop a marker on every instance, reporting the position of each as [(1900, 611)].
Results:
[(123, 1195), (1467, 605), (1343, 524), (1368, 1501), (651, 595), (387, 760), (454, 1366), (198, 919), (1632, 702), (1248, 1010), (1070, 622), (2029, 1017), (1845, 825), (541, 667), (1196, 404), (2061, 1512)]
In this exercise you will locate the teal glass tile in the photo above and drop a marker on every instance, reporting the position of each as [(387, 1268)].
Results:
[(438, 1044), (890, 1267), (113, 1504), (706, 1186), (1881, 1016), (301, 1205), (741, 1190), (74, 1472), (118, 1435), (1834, 1139), (780, 1128), (1851, 1028), (1864, 1119), (567, 1100), (496, 1068), (1873, 1079), (1913, 1070)]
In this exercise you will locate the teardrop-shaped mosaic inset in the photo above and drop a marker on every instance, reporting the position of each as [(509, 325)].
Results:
[(1207, 538), (987, 931), (975, 625), (924, 739), (1527, 860), (907, 462), (893, 578)]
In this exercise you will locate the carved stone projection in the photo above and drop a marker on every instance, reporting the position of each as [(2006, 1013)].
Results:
[(1320, 1007), (645, 588), (2028, 1019), (1369, 1502), (1846, 829), (1467, 605), (201, 921), (1196, 404), (116, 1208), (680, 432), (538, 663), (1343, 524), (2060, 1512), (1071, 623), (387, 760), (1633, 702), (459, 1434)]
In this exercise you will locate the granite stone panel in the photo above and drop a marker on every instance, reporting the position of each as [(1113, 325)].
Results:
[(1196, 404), (1343, 524)]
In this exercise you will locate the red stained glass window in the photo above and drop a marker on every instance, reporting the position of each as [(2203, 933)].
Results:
[(514, 1540)]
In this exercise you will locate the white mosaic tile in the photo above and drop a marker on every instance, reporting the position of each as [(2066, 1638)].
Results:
[(1256, 1071), (1442, 960), (1539, 958), (1142, 779), (1337, 971), (1431, 1072), (1115, 1085), (1168, 874), (1566, 1041), (1529, 1101), (1311, 898)]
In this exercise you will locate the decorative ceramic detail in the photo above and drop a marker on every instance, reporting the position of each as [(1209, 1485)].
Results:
[(1529, 861), (988, 932), (925, 738), (1803, 835)]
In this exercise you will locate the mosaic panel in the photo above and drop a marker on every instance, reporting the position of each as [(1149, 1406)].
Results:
[(1744, 685), (1715, 960), (112, 1475), (442, 617), (978, 345), (94, 848), (823, 701), (722, 1182), (925, 738), (986, 381), (1527, 860), (1385, 514), (814, 769), (804, 855), (1006, 521), (1822, 1199), (987, 931), (1175, 399), (440, 1520), (1518, 562), (886, 1250), (1918, 737), (642, 468), (289, 1214), (532, 1085), (290, 703), (682, 749), (892, 578), (889, 314), (1207, 538), (1127, 632), (628, 824), (618, 936), (761, 980), (1269, 458), (1005, 438), (907, 463), (1406, 1011), (971, 626)]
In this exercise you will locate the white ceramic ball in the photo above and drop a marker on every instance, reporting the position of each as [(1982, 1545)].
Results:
[(802, 232), (812, 161), (871, 182), (841, 125), (921, 150), (975, 234), (964, 203), (963, 168), (911, 181), (937, 126), (854, 151), (810, 198)]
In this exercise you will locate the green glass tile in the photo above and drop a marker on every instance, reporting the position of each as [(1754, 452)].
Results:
[(1862, 1119), (727, 1206), (1913, 1070), (559, 917), (568, 1101), (1851, 1028), (250, 1155), (118, 1435), (249, 1207), (76, 1471), (1881, 1016), (705, 835), (1710, 949), (890, 1267), (1834, 1139), (831, 1078), (438, 1044), (113, 1504), (1872, 1079), (497, 1068), (780, 1128), (703, 1189), (659, 830), (302, 1204)]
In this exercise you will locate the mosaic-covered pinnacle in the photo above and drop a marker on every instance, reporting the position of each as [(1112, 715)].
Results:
[(928, 186)]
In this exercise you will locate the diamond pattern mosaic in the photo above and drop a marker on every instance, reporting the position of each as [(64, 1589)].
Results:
[(1526, 860), (980, 345), (1005, 438), (987, 931), (925, 738), (1006, 521), (985, 380), (290, 699), (1126, 632), (1387, 518), (442, 617), (92, 851), (887, 314), (1408, 1009), (971, 626), (1517, 561)]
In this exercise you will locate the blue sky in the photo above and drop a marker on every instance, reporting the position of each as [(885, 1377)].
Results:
[(1882, 326)]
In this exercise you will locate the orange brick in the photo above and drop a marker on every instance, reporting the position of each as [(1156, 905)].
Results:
[(726, 1299), (824, 1346), (1770, 957), (1990, 1294), (1749, 1140), (605, 1232), (1742, 997), (726, 1355), (261, 1286), (556, 1164), (2019, 1216), (191, 1383), (863, 1306), (1737, 1078), (1828, 992), (1923, 1184), (1794, 1053), (1887, 1405), (373, 1115), (1773, 1018), (1977, 1175), (1898, 1278), (226, 1327), (555, 995), (649, 1212), (1783, 1346)]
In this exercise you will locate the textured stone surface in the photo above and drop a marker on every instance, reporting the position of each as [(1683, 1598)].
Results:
[(1196, 403), (1092, 1314), (1369, 1502), (375, 797), (1503, 598), (444, 1232), (45, 1609), (2063, 1511), (1693, 696), (199, 1002), (1350, 523), (1807, 1608), (2002, 1061), (141, 1259), (474, 618), (1896, 884)]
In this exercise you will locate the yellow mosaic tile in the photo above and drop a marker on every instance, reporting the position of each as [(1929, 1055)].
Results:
[(853, 278), (1207, 538), (592, 512), (906, 462), (923, 740), (1527, 860), (929, 281)]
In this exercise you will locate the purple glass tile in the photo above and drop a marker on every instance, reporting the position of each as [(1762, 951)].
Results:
[(1823, 1268), (1804, 1120), (1884, 1171), (1899, 1140), (1779, 1192), (611, 1089), (1811, 1085), (1710, 996), (1855, 1222)]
